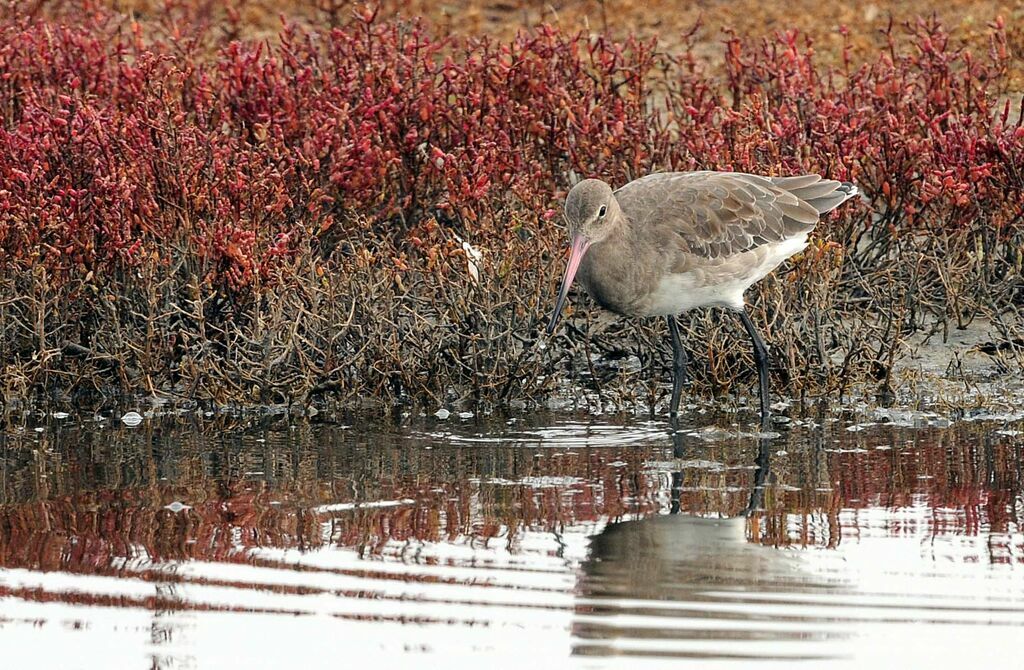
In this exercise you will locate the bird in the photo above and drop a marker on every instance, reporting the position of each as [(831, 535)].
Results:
[(670, 242)]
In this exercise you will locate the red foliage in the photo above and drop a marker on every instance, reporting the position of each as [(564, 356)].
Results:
[(117, 146)]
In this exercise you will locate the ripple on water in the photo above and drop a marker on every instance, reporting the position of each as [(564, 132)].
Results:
[(567, 434), (316, 548)]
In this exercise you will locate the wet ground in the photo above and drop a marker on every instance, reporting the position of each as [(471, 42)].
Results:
[(887, 539)]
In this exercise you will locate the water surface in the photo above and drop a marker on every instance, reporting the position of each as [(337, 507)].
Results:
[(218, 541)]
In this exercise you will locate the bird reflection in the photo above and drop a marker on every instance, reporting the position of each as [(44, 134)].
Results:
[(683, 444), (673, 573), (651, 555)]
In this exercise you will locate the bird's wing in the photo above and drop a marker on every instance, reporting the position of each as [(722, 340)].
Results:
[(714, 215)]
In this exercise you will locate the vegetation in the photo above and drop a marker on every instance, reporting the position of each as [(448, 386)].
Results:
[(190, 208)]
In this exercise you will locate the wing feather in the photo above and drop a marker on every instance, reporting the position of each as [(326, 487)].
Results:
[(715, 215)]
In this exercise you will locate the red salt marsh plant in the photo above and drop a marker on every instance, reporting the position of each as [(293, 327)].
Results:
[(270, 220)]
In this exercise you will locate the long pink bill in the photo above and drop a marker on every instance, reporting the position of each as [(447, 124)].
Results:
[(579, 247)]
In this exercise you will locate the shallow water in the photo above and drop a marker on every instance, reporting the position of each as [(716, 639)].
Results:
[(220, 541)]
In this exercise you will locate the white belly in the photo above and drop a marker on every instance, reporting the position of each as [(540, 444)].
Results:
[(719, 285)]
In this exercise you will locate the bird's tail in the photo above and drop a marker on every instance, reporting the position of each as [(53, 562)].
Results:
[(849, 188), (823, 195)]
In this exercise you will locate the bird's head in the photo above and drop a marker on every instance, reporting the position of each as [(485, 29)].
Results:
[(590, 208), (590, 211)]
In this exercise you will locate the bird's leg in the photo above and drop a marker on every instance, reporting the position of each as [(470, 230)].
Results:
[(761, 474), (761, 358), (679, 365)]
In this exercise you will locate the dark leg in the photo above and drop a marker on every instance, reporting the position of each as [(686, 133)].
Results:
[(679, 365), (761, 475), (761, 358)]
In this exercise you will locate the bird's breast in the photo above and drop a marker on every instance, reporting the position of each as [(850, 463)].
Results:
[(613, 281)]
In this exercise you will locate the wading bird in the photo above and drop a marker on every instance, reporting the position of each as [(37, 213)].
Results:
[(670, 242)]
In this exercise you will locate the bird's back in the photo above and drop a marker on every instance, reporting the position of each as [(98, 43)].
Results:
[(705, 237), (719, 214)]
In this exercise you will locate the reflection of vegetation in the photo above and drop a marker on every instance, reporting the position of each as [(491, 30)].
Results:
[(972, 482), (275, 219), (810, 478), (92, 499), (99, 499)]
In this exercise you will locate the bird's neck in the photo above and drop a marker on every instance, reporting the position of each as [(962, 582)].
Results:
[(610, 271)]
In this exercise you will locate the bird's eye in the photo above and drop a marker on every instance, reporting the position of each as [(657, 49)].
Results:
[(600, 212)]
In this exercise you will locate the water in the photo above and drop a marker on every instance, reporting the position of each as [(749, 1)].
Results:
[(217, 542)]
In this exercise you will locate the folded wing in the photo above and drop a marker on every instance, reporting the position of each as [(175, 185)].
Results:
[(714, 215)]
